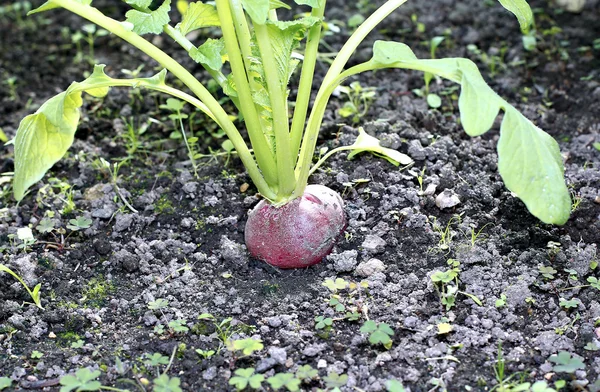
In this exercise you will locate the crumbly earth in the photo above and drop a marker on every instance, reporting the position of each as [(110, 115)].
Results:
[(112, 293)]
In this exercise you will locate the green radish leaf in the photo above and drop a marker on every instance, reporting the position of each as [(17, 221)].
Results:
[(365, 142), (531, 166), (258, 10), (521, 10), (310, 3), (209, 53), (529, 159), (49, 5), (274, 4), (198, 15), (44, 137), (285, 37), (145, 4), (152, 22)]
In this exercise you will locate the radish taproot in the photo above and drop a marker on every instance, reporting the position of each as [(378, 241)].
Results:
[(298, 234)]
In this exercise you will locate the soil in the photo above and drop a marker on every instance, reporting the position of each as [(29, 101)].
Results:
[(103, 288)]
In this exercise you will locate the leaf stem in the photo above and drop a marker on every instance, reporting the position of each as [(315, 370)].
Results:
[(309, 140), (306, 79), (263, 153)]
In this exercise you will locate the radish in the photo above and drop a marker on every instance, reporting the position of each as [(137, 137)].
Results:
[(299, 233)]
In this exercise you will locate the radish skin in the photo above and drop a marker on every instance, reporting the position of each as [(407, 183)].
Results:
[(298, 234)]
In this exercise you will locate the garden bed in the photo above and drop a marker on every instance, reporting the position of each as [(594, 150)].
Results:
[(160, 286)]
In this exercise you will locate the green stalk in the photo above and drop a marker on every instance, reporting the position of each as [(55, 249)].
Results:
[(242, 32), (306, 78), (262, 151), (316, 116), (213, 106), (281, 124)]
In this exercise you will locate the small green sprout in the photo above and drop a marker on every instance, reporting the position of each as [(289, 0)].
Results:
[(287, 380), (77, 344), (334, 380), (205, 353), (166, 384), (379, 333), (82, 380), (501, 302), (306, 373), (35, 354), (322, 322), (594, 282), (79, 223), (34, 294), (334, 286), (45, 226), (547, 272), (246, 377), (178, 326), (569, 304), (565, 362), (158, 304), (246, 346), (156, 359)]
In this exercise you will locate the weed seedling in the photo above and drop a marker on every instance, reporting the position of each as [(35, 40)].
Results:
[(565, 362), (259, 50), (247, 377), (287, 380), (360, 100), (446, 285), (34, 294), (164, 383), (379, 333)]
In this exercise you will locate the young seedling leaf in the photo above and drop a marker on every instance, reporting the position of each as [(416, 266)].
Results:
[(565, 362), (529, 160), (82, 380), (306, 373), (198, 15), (245, 377), (287, 380), (334, 380), (209, 54), (248, 346), (149, 22), (35, 294), (521, 10), (365, 142), (258, 10), (166, 384)]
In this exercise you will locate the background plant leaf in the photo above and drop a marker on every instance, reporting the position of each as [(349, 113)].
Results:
[(149, 22)]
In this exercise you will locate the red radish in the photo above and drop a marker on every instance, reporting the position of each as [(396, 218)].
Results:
[(299, 233)]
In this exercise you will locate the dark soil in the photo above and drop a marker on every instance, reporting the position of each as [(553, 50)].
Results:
[(185, 242)]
